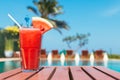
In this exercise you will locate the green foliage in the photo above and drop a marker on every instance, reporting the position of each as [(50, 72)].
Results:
[(9, 39), (69, 40), (48, 9), (16, 46), (9, 44), (114, 56), (11, 32), (82, 39), (2, 44)]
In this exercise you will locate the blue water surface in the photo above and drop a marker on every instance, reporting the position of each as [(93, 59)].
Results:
[(111, 64)]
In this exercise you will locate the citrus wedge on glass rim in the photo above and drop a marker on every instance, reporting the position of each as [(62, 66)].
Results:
[(41, 23)]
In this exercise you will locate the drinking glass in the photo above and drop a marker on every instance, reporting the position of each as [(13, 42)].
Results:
[(30, 45)]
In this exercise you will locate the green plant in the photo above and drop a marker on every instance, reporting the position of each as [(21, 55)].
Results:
[(114, 56), (11, 34), (82, 39), (2, 44), (48, 9), (9, 44)]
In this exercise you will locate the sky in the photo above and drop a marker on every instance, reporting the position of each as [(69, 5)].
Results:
[(100, 18)]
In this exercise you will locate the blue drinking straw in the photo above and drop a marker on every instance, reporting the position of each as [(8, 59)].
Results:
[(27, 20)]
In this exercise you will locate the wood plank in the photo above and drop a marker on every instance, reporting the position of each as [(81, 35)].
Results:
[(109, 72), (44, 74), (97, 75), (21, 76), (10, 73), (79, 74), (61, 73)]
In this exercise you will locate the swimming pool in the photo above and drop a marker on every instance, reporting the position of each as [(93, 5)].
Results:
[(111, 64)]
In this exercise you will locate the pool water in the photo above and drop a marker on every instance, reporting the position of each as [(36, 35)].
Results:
[(111, 64)]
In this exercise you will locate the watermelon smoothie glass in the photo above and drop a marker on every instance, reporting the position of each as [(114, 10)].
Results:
[(30, 42), (30, 45)]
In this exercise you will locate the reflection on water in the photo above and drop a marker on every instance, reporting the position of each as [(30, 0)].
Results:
[(85, 63), (56, 63), (70, 63), (43, 63), (99, 63), (9, 65), (2, 67)]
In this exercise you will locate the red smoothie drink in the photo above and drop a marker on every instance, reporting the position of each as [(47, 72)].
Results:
[(30, 45)]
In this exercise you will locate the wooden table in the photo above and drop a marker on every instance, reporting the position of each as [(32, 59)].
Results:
[(63, 73)]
